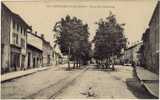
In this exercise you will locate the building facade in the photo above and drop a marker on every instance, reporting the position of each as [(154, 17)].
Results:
[(145, 53), (47, 52), (151, 42), (34, 50), (13, 41), (57, 55), (131, 54), (154, 38)]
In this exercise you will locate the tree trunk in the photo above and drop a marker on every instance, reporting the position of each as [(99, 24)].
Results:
[(69, 58), (113, 67), (68, 62), (101, 64), (69, 65), (76, 63), (113, 64), (109, 62), (79, 61), (106, 63)]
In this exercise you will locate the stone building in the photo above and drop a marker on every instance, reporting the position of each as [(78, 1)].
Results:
[(131, 54), (57, 55), (47, 52), (13, 40), (150, 39), (154, 38), (144, 50), (34, 50)]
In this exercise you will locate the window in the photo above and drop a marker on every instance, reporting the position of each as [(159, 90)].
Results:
[(17, 27), (21, 30), (15, 38), (14, 24), (24, 32), (22, 43), (23, 61)]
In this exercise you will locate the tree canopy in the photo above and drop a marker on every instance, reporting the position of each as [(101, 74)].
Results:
[(109, 38), (73, 38)]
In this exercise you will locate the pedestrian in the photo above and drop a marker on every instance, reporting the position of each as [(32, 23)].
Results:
[(90, 92)]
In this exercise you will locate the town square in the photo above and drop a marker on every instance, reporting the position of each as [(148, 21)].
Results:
[(80, 49)]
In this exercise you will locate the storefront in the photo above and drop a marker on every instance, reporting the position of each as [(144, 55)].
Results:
[(15, 58)]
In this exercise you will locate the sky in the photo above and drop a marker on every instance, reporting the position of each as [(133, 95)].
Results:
[(42, 15)]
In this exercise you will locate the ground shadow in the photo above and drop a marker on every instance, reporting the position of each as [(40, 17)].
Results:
[(95, 68), (134, 85), (69, 69)]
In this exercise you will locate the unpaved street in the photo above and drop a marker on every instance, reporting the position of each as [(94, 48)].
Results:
[(30, 86), (106, 84), (59, 83)]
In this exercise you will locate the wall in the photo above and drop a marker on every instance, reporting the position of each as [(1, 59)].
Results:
[(22, 39), (13, 53), (34, 53), (34, 41), (34, 48), (5, 38), (154, 40), (47, 54), (131, 54)]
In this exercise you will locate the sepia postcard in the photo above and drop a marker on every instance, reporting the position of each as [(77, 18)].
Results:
[(80, 49)]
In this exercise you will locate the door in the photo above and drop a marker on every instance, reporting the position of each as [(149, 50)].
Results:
[(29, 55), (48, 59), (15, 63), (23, 62), (34, 62)]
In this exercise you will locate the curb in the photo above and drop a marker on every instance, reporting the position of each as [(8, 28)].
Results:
[(144, 85), (5, 78), (150, 91)]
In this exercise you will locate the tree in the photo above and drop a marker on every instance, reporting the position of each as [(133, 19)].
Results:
[(109, 40), (72, 39)]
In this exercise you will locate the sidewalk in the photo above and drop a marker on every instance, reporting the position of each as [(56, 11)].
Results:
[(149, 79), (16, 74)]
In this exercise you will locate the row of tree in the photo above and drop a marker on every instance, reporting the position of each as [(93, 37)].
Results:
[(109, 41), (73, 40)]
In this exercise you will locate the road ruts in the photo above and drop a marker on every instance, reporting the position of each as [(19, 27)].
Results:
[(53, 90)]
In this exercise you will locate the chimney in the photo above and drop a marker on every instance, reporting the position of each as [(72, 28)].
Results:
[(29, 30), (35, 32), (42, 36), (30, 27)]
